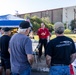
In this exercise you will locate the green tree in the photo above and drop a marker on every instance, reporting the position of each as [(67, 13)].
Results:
[(48, 24), (67, 31), (27, 15), (73, 24), (36, 22), (46, 20)]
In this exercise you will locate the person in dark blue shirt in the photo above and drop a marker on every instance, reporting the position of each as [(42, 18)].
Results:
[(60, 52), (4, 46)]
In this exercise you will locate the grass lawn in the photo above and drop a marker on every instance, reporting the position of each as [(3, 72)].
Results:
[(73, 36)]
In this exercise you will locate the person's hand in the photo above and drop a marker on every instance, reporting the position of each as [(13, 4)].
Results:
[(48, 60), (43, 34)]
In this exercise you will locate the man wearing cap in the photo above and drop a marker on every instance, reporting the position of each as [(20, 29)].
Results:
[(4, 46), (21, 55), (60, 52)]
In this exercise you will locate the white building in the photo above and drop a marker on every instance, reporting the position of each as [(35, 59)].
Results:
[(69, 14), (63, 14)]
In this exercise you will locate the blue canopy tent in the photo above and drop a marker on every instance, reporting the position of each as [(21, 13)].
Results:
[(10, 21)]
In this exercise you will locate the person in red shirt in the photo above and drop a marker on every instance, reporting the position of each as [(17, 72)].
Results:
[(43, 34)]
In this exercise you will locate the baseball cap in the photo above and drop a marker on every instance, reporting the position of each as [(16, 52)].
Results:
[(6, 29), (24, 25), (58, 25)]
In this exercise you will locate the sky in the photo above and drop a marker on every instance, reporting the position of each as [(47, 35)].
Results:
[(27, 6)]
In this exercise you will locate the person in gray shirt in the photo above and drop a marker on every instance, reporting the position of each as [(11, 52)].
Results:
[(20, 48)]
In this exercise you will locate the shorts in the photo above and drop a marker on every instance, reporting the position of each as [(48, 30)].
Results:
[(5, 63)]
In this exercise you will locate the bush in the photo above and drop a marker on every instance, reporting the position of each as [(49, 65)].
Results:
[(36, 22), (53, 32), (27, 15), (67, 31), (73, 24)]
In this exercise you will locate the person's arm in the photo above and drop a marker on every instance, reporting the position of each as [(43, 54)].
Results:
[(29, 51), (48, 60), (73, 57), (30, 58), (48, 33), (9, 50), (38, 32), (73, 52), (9, 44), (48, 54)]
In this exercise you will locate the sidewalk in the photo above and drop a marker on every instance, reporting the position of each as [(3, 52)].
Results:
[(40, 65)]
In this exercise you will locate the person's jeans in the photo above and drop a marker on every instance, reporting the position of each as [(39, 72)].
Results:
[(59, 70), (26, 72)]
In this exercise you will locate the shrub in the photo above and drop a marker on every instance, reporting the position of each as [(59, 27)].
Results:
[(67, 31), (53, 32), (36, 22), (73, 24)]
